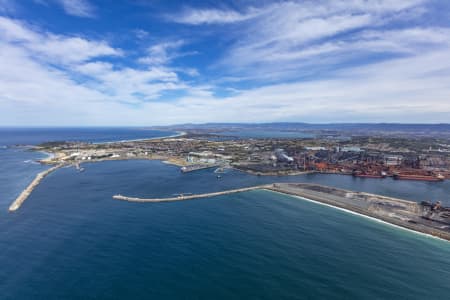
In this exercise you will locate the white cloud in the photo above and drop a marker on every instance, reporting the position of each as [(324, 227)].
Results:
[(25, 82), (130, 85), (43, 73), (290, 40), (162, 53), (302, 10), (49, 79), (78, 8), (51, 47), (289, 37), (188, 71), (211, 16), (413, 89)]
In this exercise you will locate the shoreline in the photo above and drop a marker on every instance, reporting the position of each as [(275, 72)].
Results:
[(395, 212), (275, 188), (177, 134), (423, 234), (51, 155)]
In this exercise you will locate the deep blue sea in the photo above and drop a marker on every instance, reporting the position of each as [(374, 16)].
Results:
[(71, 240)]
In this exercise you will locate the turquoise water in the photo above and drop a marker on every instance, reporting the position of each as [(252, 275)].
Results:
[(71, 240)]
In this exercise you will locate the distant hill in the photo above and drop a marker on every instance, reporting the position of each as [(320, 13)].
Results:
[(378, 127)]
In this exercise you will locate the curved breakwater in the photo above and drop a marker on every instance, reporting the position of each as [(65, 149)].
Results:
[(182, 197)]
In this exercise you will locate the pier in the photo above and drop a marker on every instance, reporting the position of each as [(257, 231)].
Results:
[(182, 197), (27, 191)]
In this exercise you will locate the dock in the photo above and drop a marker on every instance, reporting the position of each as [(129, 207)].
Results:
[(29, 189)]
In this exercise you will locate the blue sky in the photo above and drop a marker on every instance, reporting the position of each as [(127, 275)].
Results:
[(132, 63)]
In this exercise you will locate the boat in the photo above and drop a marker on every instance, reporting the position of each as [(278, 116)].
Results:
[(438, 177)]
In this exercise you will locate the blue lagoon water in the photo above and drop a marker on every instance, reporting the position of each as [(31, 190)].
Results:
[(71, 240)]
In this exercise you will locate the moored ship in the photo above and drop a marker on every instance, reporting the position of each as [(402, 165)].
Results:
[(438, 177)]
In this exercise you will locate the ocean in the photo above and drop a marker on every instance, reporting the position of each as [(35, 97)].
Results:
[(71, 240), (33, 136)]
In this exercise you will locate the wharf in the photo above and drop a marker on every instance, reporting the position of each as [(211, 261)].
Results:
[(27, 191)]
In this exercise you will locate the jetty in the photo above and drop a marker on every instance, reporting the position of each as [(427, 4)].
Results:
[(27, 191), (182, 197), (425, 217)]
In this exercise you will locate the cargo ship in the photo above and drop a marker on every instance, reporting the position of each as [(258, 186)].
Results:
[(438, 177)]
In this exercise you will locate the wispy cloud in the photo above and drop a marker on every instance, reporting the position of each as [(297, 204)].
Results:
[(42, 69), (50, 47), (326, 61), (211, 16), (289, 36), (78, 8), (130, 85), (162, 53), (300, 10)]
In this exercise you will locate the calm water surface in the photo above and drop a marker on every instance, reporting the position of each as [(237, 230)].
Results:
[(71, 240)]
